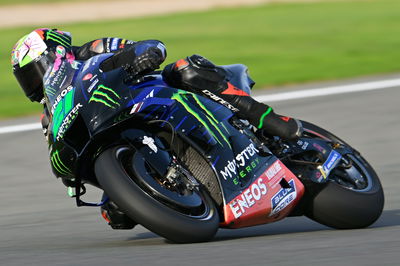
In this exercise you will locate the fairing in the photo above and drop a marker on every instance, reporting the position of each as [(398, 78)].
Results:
[(101, 109)]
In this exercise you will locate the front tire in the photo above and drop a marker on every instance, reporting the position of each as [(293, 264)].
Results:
[(138, 202), (341, 206)]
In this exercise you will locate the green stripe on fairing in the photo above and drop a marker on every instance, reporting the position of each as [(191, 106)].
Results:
[(179, 98), (58, 164), (263, 116), (212, 116), (62, 110), (209, 113), (204, 108), (224, 127)]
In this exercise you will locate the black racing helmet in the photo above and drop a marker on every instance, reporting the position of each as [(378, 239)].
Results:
[(34, 54)]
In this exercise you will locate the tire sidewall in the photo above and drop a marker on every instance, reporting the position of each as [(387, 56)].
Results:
[(146, 210)]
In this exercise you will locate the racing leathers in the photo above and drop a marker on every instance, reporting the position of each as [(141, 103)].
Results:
[(135, 57), (199, 75)]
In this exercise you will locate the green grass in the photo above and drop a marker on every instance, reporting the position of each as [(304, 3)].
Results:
[(280, 43)]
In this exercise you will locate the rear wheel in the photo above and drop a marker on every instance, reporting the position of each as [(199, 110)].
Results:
[(174, 206), (353, 198)]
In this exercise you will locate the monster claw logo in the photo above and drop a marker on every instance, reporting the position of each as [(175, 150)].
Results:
[(208, 121), (106, 96), (58, 164), (59, 37)]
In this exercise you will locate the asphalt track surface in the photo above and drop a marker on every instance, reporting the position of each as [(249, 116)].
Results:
[(40, 225)]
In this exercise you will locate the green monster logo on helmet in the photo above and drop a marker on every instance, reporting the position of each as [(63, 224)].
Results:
[(62, 38)]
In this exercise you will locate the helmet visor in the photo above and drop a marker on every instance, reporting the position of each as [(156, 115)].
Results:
[(30, 77)]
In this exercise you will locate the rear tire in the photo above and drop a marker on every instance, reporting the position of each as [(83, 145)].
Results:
[(341, 207), (151, 212)]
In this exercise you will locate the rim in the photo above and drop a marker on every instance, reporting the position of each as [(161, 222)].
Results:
[(351, 174), (356, 177), (189, 202)]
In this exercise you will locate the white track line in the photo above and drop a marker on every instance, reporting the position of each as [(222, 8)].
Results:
[(20, 128), (365, 86)]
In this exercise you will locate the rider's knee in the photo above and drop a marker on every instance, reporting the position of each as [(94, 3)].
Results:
[(194, 73)]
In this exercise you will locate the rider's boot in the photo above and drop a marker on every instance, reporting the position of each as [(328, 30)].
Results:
[(197, 74), (115, 217), (109, 211)]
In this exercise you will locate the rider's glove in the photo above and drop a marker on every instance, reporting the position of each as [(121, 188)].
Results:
[(146, 62)]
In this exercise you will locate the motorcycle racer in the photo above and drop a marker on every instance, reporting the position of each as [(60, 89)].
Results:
[(38, 60)]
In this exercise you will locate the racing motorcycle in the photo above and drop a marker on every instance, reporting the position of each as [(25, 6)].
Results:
[(183, 165)]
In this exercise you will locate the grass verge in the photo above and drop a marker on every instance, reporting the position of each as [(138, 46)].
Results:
[(280, 43)]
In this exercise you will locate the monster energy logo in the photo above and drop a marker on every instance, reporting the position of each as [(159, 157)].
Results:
[(210, 121), (106, 96), (59, 165), (62, 39)]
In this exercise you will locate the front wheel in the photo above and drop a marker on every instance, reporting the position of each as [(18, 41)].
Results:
[(179, 212), (353, 198)]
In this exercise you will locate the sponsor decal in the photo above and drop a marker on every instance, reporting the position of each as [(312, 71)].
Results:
[(273, 170), (319, 148), (62, 109), (68, 120), (122, 44), (56, 79), (87, 76), (303, 144), (330, 163), (150, 142), (58, 165), (60, 50), (60, 97), (275, 173), (249, 168), (248, 198), (220, 100), (108, 45), (136, 107), (230, 169), (162, 49), (93, 77), (114, 44), (91, 86), (106, 96), (75, 65), (283, 198)]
